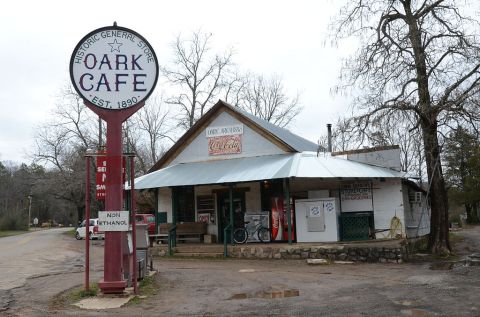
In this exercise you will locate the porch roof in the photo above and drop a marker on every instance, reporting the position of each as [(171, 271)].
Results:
[(305, 165)]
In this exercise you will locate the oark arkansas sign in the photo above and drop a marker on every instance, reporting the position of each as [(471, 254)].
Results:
[(114, 68)]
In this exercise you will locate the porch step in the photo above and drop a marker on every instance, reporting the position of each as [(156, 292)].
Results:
[(199, 254), (199, 248), (194, 250)]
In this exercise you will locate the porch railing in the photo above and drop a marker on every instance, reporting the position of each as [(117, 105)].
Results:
[(225, 230), (172, 239)]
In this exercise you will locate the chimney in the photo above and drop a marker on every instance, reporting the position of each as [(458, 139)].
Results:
[(329, 129)]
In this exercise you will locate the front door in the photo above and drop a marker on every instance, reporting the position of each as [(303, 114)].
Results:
[(224, 212)]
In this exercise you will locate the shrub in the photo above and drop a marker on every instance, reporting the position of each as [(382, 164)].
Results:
[(13, 222)]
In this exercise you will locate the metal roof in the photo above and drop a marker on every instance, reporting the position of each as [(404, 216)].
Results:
[(305, 165), (289, 139), (297, 142)]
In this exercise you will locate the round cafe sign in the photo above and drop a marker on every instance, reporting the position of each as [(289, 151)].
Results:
[(114, 68)]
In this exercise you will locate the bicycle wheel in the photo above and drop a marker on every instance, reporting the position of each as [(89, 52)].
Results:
[(264, 234), (240, 235)]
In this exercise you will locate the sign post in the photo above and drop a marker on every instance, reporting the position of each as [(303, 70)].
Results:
[(114, 70)]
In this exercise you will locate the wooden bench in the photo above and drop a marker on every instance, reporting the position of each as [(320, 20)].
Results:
[(186, 232)]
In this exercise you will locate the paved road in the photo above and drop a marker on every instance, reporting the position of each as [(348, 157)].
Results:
[(34, 253), (38, 265)]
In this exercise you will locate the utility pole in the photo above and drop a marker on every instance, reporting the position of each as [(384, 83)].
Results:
[(29, 209)]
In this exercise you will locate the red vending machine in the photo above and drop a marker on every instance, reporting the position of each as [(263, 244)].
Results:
[(279, 223)]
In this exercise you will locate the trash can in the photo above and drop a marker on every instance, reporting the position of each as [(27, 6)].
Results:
[(142, 250), (141, 264)]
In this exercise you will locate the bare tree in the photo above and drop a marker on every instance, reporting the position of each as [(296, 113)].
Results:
[(196, 74), (398, 129), (344, 136), (148, 133), (265, 98), (60, 145), (62, 141), (414, 56), (17, 184), (235, 84)]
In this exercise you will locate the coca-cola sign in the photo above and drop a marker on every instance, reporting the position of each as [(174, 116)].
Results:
[(228, 144)]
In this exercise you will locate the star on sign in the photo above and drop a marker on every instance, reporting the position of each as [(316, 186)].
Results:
[(115, 46)]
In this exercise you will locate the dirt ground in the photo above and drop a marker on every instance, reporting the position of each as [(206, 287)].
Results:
[(205, 287)]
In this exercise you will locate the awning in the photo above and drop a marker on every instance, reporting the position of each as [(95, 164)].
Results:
[(305, 165), (326, 166)]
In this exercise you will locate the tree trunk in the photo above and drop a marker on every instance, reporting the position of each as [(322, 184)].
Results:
[(438, 242), (80, 214), (471, 211)]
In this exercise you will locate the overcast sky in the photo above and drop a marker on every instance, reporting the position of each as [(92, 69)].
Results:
[(282, 37)]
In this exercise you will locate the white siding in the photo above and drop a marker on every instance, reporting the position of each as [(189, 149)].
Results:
[(419, 209), (388, 203), (253, 144), (385, 158), (253, 202), (165, 202), (417, 218)]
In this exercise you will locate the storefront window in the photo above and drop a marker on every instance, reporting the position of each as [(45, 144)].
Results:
[(185, 204), (270, 188), (206, 209)]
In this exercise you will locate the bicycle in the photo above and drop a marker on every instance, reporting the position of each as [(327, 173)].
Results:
[(240, 235)]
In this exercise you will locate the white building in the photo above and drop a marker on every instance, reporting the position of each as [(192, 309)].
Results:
[(353, 195)]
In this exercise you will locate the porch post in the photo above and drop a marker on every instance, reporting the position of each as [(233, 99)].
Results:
[(157, 216), (286, 191), (230, 196), (174, 215)]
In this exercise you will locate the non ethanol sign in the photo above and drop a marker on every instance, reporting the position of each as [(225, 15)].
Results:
[(114, 68), (113, 220)]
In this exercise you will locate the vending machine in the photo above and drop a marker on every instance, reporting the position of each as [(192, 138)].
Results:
[(279, 220)]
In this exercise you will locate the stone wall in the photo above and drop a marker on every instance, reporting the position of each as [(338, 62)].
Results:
[(330, 253), (393, 253)]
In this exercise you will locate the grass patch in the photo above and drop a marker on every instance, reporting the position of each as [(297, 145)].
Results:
[(8, 233), (134, 301), (420, 245), (71, 296), (455, 238), (70, 232), (147, 287), (82, 293)]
